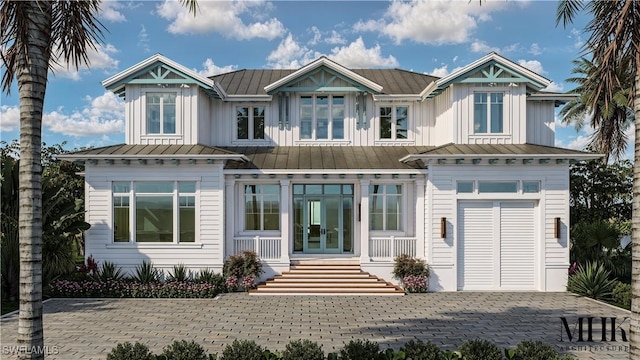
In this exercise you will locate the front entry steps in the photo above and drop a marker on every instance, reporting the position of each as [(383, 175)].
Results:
[(326, 278)]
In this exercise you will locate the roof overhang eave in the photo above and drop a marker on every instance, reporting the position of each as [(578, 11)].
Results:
[(430, 157), (78, 157)]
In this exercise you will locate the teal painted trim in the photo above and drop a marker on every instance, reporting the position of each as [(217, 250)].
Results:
[(496, 80), (322, 83), (166, 81), (491, 70)]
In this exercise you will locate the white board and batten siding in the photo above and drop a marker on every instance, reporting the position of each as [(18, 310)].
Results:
[(541, 126), (187, 116), (520, 222), (205, 252)]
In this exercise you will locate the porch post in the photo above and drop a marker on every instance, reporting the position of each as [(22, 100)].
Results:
[(229, 202), (421, 234), (364, 221), (284, 220)]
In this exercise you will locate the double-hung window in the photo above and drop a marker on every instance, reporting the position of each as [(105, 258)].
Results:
[(322, 117), (154, 211), (385, 207), (488, 113), (394, 122), (261, 207), (250, 122), (161, 113)]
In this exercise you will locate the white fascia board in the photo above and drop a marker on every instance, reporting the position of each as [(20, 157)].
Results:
[(160, 156), (502, 60), (542, 96), (157, 57), (323, 171), (249, 98), (324, 61), (429, 157), (396, 97), (428, 90)]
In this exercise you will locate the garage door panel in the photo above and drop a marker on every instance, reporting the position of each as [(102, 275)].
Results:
[(476, 258), (517, 229), (496, 245)]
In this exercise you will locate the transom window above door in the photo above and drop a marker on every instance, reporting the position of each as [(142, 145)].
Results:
[(322, 117)]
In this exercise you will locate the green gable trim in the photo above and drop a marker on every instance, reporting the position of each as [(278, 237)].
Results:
[(322, 79), (159, 73)]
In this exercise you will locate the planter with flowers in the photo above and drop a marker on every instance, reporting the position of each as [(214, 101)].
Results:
[(413, 273)]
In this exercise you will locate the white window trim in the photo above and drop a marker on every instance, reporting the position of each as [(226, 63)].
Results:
[(404, 208), (132, 216), (251, 136), (519, 195), (506, 111), (143, 100), (393, 107), (314, 138), (240, 214)]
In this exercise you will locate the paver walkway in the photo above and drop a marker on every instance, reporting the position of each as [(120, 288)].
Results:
[(90, 328)]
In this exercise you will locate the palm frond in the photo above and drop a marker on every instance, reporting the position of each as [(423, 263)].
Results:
[(567, 10)]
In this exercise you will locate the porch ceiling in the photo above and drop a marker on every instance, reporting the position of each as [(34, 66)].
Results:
[(325, 157)]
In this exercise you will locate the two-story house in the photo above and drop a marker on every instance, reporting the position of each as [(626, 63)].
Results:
[(330, 163)]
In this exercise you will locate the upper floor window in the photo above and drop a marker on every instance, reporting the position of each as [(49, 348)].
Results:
[(161, 113), (322, 117), (250, 122), (488, 113), (394, 122)]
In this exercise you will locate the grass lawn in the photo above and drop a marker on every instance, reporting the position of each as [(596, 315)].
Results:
[(8, 306)]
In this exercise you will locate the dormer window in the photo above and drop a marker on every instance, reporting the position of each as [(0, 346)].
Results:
[(161, 113), (488, 112), (322, 117), (394, 122), (250, 122)]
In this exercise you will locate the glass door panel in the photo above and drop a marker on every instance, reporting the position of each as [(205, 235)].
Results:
[(332, 223), (347, 224), (299, 225), (314, 221)]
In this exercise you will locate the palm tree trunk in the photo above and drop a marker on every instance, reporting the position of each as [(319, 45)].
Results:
[(634, 338), (31, 74)]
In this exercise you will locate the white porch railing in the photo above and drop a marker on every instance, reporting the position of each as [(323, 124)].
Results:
[(387, 248), (266, 247)]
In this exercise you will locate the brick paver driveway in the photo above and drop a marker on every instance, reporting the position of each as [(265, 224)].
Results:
[(89, 328)]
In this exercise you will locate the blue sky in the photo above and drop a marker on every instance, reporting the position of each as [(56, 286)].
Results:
[(428, 37)]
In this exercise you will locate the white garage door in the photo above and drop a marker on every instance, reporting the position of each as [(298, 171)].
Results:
[(496, 245)]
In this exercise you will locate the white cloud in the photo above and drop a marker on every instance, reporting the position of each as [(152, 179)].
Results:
[(9, 118), (576, 37), (143, 39), (103, 115), (224, 17), (533, 65), (109, 10), (99, 58), (535, 49), (317, 35), (357, 55), (210, 69), (290, 54), (335, 38), (440, 72), (431, 22), (554, 87), (480, 46)]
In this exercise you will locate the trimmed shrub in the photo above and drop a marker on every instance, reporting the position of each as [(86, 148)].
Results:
[(534, 350), (480, 349), (406, 265), (418, 350), (242, 270), (591, 280), (360, 350), (145, 273), (183, 350), (243, 349), (303, 350), (128, 351), (622, 295), (132, 289)]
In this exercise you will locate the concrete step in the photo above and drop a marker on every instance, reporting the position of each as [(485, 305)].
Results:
[(281, 284)]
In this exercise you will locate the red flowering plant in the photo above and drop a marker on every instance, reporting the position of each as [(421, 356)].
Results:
[(89, 267), (242, 270)]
